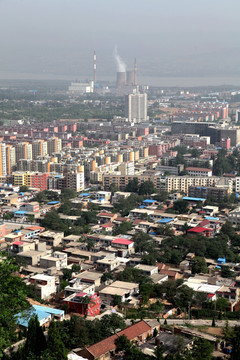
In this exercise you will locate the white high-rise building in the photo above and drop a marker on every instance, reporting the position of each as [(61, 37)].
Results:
[(136, 107), (3, 167)]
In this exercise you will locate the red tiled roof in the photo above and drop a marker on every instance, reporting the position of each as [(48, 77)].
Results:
[(109, 224), (210, 295), (199, 229), (204, 222), (122, 241), (135, 330), (108, 344), (102, 347), (18, 243), (35, 228), (106, 214), (198, 169)]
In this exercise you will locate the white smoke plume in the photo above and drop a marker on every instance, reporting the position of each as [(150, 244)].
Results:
[(121, 66)]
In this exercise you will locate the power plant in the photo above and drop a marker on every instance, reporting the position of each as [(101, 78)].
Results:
[(125, 77), (121, 79)]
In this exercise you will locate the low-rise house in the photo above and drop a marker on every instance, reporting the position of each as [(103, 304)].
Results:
[(118, 195), (33, 231), (57, 260), (103, 195), (14, 236), (30, 207), (32, 257), (105, 217), (44, 313), (70, 238), (83, 304), (147, 269), (159, 278), (51, 238), (124, 246), (77, 286), (231, 293), (104, 350), (125, 290), (45, 285), (90, 277), (108, 264), (199, 230)]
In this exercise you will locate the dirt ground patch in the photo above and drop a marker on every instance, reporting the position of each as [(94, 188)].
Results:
[(213, 331)]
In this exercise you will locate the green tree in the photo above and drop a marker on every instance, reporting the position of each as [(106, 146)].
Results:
[(222, 304), (12, 300), (202, 349), (122, 343), (226, 272), (90, 243), (23, 188), (146, 188), (158, 352), (107, 276), (181, 206), (35, 342), (123, 228), (113, 322), (116, 301), (67, 194), (113, 188), (76, 268), (55, 347), (132, 186), (235, 341), (67, 273), (199, 265), (213, 322), (164, 230)]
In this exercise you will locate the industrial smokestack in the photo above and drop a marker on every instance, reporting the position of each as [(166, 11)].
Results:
[(135, 72), (94, 67), (121, 78)]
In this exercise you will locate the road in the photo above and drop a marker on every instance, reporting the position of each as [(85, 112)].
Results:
[(196, 322)]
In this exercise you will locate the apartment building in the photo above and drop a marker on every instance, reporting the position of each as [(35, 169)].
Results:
[(182, 183), (195, 171), (54, 145), (39, 148), (23, 151)]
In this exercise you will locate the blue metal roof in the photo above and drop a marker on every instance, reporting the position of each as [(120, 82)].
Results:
[(85, 194), (49, 310), (150, 201), (24, 317), (165, 220), (142, 207), (211, 218), (20, 212), (189, 198), (53, 202), (42, 313)]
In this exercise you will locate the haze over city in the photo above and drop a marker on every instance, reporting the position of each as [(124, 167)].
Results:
[(173, 39)]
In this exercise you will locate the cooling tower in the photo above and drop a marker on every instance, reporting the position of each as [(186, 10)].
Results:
[(130, 77), (121, 79)]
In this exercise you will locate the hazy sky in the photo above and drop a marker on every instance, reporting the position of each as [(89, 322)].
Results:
[(168, 38)]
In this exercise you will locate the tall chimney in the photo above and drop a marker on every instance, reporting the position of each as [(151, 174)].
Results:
[(135, 72), (94, 67)]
